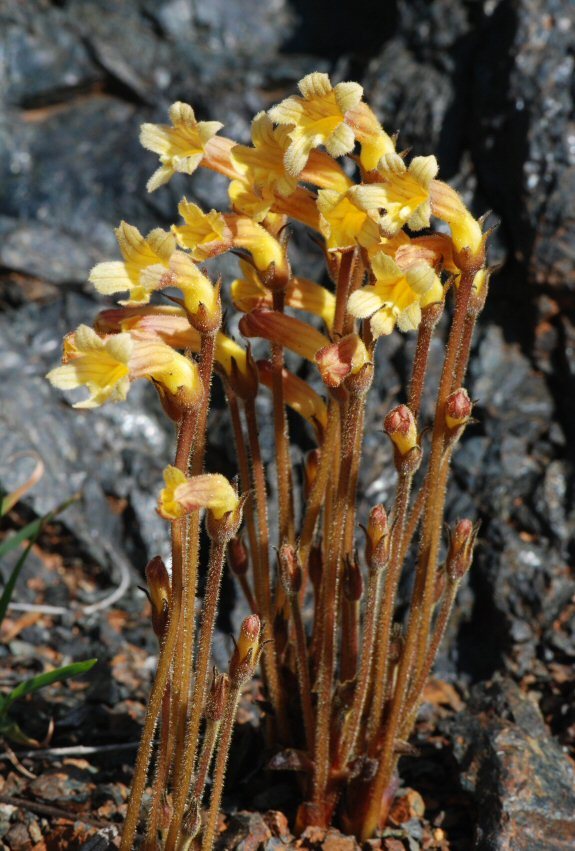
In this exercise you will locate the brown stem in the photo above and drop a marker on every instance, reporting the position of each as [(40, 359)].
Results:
[(208, 619), (157, 693), (185, 438), (317, 493), (283, 460), (414, 694), (185, 649), (421, 609), (262, 584), (345, 276), (429, 318), (160, 776), (387, 606), (227, 729), (332, 576), (302, 670), (364, 676)]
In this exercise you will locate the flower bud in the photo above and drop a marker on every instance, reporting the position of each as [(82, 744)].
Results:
[(243, 376), (290, 569), (458, 407), (223, 529), (400, 427), (343, 359), (238, 558), (247, 651), (352, 580), (159, 590), (218, 694), (377, 538), (462, 539)]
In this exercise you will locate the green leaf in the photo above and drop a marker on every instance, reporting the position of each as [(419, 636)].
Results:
[(42, 680), (33, 529), (9, 587), (29, 533), (11, 730)]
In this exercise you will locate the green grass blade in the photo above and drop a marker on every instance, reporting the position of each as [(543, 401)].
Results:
[(33, 529), (42, 680)]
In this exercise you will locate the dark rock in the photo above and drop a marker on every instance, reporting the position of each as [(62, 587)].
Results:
[(522, 782)]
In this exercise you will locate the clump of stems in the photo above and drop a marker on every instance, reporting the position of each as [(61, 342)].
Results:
[(324, 604)]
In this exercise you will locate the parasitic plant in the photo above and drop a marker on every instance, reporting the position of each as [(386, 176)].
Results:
[(321, 615)]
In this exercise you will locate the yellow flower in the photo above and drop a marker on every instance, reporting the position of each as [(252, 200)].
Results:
[(197, 289), (139, 253), (182, 494), (171, 325), (375, 142), (343, 223), (204, 234), (466, 231), (100, 365), (248, 292), (397, 295), (318, 118), (107, 366), (181, 147), (263, 165), (401, 192)]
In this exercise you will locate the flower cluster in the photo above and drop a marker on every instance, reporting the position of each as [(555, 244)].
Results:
[(322, 159)]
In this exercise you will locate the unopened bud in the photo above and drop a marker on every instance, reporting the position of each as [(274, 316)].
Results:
[(158, 580), (352, 580), (400, 427), (244, 381), (218, 694), (238, 558), (290, 569), (377, 538), (311, 465), (222, 529), (247, 650), (458, 407), (344, 359), (460, 553)]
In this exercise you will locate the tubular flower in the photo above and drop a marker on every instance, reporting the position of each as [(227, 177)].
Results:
[(248, 293), (198, 291), (102, 366), (297, 394), (338, 360), (205, 235), (107, 366), (397, 295), (317, 118), (181, 494), (139, 254), (290, 333), (375, 142), (263, 165), (181, 147), (401, 192), (171, 325), (343, 223), (466, 231)]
